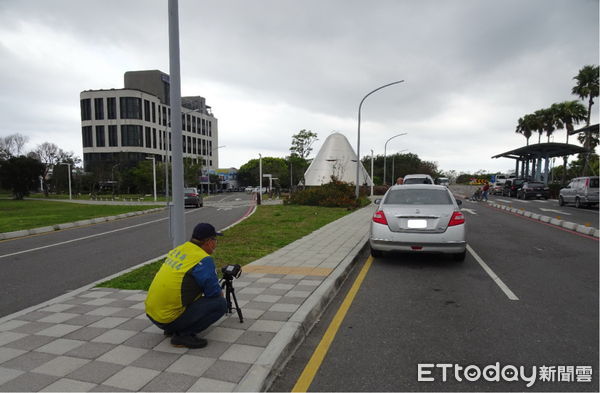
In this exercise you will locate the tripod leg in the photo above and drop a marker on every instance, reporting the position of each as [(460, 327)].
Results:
[(237, 306)]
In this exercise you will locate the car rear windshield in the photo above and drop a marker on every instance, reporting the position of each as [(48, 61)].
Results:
[(418, 197), (535, 184), (594, 183), (189, 190), (417, 180)]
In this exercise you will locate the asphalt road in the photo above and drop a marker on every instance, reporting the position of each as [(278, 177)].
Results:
[(427, 309), (38, 268)]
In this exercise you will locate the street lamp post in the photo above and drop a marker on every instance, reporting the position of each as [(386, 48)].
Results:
[(372, 181), (68, 164), (384, 156), (153, 173), (358, 142), (259, 195)]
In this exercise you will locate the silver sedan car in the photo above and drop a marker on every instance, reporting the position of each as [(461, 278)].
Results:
[(419, 218)]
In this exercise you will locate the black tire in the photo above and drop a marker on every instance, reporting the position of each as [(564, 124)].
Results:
[(578, 203), (201, 205), (459, 257), (376, 253), (561, 201)]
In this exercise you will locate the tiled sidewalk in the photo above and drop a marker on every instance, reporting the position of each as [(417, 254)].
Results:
[(101, 340)]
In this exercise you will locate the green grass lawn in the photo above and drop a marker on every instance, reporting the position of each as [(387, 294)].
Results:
[(267, 230), (16, 215)]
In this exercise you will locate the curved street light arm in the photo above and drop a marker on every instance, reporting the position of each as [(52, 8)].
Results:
[(384, 154), (358, 143)]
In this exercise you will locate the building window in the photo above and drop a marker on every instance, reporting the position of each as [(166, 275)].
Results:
[(99, 108), (100, 138), (86, 133), (189, 144), (164, 116), (153, 113), (169, 117), (189, 126), (86, 109), (154, 138), (195, 150), (182, 122), (203, 147), (111, 107), (146, 110), (210, 149), (131, 108), (131, 135), (183, 148), (194, 124), (148, 140), (203, 127), (113, 139), (209, 128)]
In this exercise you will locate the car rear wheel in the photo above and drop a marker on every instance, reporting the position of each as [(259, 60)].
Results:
[(376, 253), (459, 257), (561, 201), (578, 203)]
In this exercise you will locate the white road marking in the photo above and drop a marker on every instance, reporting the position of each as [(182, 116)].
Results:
[(555, 211), (468, 210), (541, 200), (90, 236), (493, 275), (503, 200)]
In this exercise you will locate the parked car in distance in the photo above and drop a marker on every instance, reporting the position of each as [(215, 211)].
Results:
[(533, 189), (499, 179), (582, 191), (496, 189), (442, 181), (512, 186), (418, 179), (418, 218), (191, 197)]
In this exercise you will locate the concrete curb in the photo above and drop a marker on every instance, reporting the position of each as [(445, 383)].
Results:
[(262, 374), (586, 230), (68, 225)]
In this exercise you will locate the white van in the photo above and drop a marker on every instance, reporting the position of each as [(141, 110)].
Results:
[(582, 191)]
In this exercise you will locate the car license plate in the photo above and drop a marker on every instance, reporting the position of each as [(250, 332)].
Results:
[(417, 224), (538, 195)]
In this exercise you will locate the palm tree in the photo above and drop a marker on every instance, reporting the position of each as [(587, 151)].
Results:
[(587, 86), (549, 121), (524, 127), (569, 113), (537, 123)]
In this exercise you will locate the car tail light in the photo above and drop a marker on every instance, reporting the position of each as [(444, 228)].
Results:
[(379, 217), (587, 182), (456, 219)]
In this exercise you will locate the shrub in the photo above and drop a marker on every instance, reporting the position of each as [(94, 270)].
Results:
[(333, 194)]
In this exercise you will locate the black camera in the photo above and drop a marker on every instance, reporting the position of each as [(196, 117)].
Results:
[(231, 271)]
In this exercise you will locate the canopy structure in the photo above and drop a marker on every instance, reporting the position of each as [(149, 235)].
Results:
[(536, 154), (336, 158)]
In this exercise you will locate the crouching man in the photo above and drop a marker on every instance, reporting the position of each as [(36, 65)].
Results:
[(185, 297)]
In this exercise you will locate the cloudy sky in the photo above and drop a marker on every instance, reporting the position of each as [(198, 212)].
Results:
[(270, 68)]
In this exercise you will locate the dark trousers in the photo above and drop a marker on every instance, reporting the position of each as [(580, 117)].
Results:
[(197, 316)]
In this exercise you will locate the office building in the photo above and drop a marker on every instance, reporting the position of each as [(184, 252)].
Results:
[(125, 126)]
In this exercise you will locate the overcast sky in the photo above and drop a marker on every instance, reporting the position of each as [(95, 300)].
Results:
[(271, 68)]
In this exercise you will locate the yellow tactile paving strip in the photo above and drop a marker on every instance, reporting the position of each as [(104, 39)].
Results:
[(306, 271)]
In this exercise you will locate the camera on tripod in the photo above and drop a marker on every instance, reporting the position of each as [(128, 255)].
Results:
[(231, 271)]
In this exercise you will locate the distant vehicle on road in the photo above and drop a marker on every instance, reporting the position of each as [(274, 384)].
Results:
[(533, 189), (191, 197), (582, 191), (512, 186), (418, 218), (442, 181), (418, 179)]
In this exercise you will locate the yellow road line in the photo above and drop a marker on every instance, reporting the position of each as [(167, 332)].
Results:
[(311, 368)]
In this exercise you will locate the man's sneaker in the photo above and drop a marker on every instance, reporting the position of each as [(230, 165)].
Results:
[(188, 341)]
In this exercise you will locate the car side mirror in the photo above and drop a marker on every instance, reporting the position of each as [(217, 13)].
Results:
[(377, 201)]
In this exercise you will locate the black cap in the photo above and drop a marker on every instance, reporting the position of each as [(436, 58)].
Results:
[(204, 231)]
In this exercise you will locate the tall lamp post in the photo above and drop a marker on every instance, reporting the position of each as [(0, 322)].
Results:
[(68, 164), (358, 142), (153, 173), (372, 181), (260, 176), (384, 155)]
